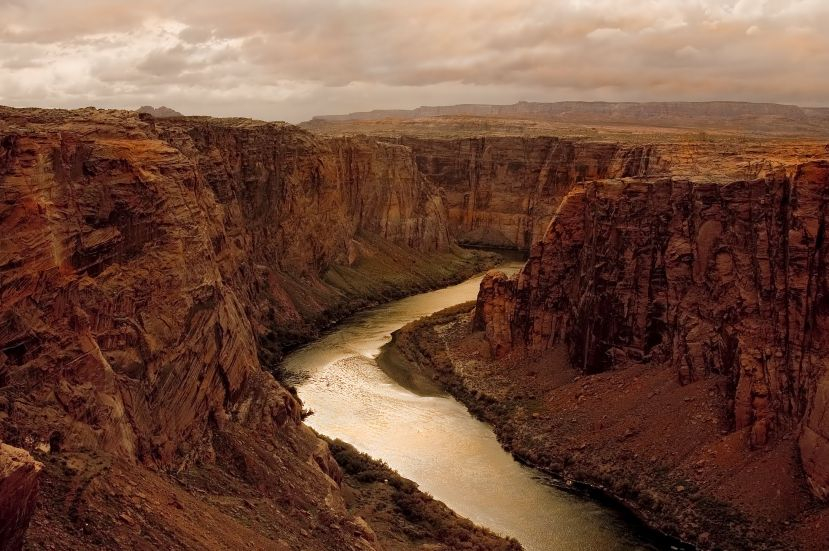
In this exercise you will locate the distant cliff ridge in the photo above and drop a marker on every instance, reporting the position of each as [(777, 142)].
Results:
[(159, 112), (694, 114)]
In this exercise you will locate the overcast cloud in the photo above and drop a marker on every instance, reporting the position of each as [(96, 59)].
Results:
[(289, 60)]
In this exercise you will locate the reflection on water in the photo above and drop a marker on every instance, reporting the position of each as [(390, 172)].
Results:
[(434, 441)]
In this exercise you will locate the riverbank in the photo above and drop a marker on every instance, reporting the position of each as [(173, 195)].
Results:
[(382, 272), (400, 515), (431, 438), (662, 450)]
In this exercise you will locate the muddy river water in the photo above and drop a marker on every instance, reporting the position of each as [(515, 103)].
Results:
[(433, 440)]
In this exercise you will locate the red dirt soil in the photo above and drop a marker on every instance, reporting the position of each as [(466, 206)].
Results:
[(661, 448)]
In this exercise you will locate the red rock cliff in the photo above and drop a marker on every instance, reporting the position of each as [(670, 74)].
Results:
[(134, 258), (703, 277), (503, 191), (19, 475), (141, 260)]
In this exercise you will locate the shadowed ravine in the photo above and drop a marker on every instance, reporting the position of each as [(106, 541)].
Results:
[(432, 439)]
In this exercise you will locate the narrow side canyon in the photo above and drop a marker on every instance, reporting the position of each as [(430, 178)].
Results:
[(502, 191)]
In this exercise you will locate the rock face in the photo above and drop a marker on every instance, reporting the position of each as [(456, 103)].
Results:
[(503, 191), (144, 257), (158, 112), (19, 475), (704, 277), (142, 260)]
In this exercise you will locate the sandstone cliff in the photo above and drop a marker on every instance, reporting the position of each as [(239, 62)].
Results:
[(141, 262), (707, 278), (503, 191), (19, 476)]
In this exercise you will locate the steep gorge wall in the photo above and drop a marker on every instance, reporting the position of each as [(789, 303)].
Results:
[(703, 277), (307, 207), (19, 477), (142, 260), (503, 191), (138, 255), (288, 185)]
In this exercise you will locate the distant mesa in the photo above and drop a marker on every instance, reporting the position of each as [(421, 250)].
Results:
[(732, 115), (159, 112), (594, 110)]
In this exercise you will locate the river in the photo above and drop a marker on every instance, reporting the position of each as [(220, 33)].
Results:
[(434, 441)]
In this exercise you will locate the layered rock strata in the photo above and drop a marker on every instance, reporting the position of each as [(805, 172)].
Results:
[(19, 477), (145, 267), (707, 278), (139, 260), (503, 191)]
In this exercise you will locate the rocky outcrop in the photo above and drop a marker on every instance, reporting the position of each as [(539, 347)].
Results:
[(146, 264), (158, 112), (708, 278), (19, 475), (503, 191)]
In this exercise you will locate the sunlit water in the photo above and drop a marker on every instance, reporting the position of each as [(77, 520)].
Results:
[(434, 441)]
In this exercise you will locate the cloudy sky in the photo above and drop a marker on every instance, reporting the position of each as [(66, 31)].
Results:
[(291, 59)]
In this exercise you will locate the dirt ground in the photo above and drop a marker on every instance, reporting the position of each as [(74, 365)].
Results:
[(664, 450)]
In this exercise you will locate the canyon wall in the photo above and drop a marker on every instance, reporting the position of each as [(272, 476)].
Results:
[(142, 260), (19, 477), (311, 213), (503, 191), (722, 278), (144, 254)]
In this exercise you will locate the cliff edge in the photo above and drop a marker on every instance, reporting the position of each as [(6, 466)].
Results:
[(723, 286), (151, 272)]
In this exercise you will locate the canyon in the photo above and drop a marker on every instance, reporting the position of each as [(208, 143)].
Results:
[(155, 271), (724, 279), (152, 274), (501, 192), (665, 342)]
